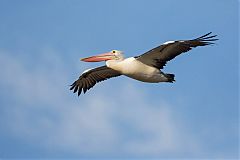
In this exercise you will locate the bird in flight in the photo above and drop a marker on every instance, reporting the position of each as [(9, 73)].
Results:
[(146, 67)]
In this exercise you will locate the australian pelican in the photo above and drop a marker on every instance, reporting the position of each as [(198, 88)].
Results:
[(146, 67)]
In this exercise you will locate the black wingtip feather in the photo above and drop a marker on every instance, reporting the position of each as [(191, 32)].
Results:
[(84, 90), (206, 37), (209, 37), (79, 91), (73, 85), (75, 89)]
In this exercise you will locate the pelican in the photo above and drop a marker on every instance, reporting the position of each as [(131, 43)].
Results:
[(146, 67)]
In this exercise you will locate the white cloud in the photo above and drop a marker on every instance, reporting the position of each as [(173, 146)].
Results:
[(118, 124)]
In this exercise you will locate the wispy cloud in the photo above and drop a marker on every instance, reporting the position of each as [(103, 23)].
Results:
[(47, 115)]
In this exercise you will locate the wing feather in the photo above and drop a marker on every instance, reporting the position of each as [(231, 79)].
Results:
[(159, 56), (89, 78)]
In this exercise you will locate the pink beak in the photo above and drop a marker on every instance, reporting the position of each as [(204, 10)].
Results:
[(98, 58)]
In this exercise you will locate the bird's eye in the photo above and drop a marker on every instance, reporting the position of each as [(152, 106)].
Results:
[(113, 51)]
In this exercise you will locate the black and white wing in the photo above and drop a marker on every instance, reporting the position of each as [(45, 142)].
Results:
[(159, 56), (92, 76)]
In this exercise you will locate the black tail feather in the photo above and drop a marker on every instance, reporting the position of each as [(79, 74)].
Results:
[(170, 77)]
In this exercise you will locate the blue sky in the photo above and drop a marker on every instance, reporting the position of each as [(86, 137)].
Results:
[(40, 46)]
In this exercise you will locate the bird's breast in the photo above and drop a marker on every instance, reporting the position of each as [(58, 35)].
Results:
[(137, 70)]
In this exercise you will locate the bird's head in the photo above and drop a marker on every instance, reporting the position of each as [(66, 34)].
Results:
[(112, 55)]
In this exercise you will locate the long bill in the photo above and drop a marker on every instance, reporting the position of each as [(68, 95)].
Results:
[(99, 58)]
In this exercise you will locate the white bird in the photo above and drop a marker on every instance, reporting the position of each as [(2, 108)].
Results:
[(146, 67)]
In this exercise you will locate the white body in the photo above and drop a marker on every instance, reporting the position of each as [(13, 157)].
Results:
[(137, 70)]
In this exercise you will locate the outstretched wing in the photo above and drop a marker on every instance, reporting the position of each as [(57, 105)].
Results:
[(159, 56), (92, 76)]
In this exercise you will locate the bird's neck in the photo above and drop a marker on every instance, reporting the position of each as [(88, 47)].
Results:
[(114, 64)]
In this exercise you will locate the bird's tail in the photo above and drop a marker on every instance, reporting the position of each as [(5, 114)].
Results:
[(170, 77)]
